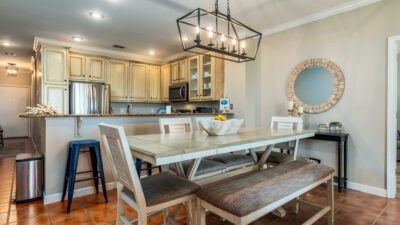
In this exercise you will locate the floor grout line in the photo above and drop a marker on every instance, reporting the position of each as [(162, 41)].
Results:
[(9, 203), (380, 214), (48, 214), (87, 212)]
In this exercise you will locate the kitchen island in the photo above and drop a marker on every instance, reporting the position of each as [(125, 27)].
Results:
[(56, 131)]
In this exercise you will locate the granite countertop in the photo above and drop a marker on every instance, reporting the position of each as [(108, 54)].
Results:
[(122, 115)]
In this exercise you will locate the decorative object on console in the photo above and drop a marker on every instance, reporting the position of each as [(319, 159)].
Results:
[(330, 127), (224, 104), (316, 84), (229, 38), (290, 107), (41, 109), (300, 111)]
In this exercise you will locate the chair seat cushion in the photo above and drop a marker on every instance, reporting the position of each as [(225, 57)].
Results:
[(276, 157), (163, 187), (230, 159), (206, 166), (246, 194)]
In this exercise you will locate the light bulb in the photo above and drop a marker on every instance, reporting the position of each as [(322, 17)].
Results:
[(223, 38), (6, 44), (243, 45), (77, 38), (210, 34), (197, 30), (234, 41), (209, 28), (184, 38)]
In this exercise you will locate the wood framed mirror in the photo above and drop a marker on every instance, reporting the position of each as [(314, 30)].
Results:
[(316, 84)]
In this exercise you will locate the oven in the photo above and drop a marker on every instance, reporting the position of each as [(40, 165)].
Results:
[(178, 92)]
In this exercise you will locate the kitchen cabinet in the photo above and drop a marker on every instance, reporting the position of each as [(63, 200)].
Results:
[(86, 68), (194, 73), (165, 82), (154, 84), (175, 72), (138, 82), (117, 76), (56, 96), (183, 71), (54, 65), (206, 78)]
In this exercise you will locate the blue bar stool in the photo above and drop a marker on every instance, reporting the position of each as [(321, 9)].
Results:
[(72, 163), (149, 167)]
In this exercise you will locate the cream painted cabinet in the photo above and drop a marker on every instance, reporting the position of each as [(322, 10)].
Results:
[(95, 69), (54, 65), (194, 73), (76, 67), (175, 72), (183, 71), (138, 82), (56, 96), (154, 84), (165, 82), (86, 68), (117, 76)]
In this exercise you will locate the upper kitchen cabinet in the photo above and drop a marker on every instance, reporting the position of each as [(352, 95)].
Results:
[(86, 68), (117, 77), (138, 82), (165, 82), (56, 96), (175, 72), (154, 84), (194, 71), (183, 71), (54, 65), (95, 69)]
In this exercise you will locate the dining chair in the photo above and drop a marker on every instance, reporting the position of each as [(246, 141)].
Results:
[(206, 167), (147, 196), (288, 150)]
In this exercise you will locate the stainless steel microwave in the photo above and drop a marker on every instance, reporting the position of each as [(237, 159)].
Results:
[(178, 92)]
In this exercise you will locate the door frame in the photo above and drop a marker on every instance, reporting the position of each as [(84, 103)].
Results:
[(391, 119), (28, 89)]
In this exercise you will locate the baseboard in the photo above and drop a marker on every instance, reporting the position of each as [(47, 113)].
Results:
[(48, 199), (367, 189)]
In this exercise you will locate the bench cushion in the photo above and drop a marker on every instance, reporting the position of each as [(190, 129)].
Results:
[(276, 157), (163, 187), (230, 159), (248, 193), (206, 166)]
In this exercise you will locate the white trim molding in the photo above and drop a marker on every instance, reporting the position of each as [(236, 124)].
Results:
[(319, 15), (48, 199), (367, 189), (391, 119)]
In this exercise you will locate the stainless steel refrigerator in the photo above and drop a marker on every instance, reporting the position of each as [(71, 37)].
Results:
[(89, 98)]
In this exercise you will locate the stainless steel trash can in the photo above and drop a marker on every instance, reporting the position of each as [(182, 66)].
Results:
[(29, 177)]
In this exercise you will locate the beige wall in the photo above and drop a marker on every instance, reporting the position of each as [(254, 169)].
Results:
[(235, 78), (357, 42), (22, 79)]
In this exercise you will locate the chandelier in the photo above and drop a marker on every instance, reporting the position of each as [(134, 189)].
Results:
[(218, 35), (12, 69)]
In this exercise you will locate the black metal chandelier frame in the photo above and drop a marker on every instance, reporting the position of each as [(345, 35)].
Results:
[(232, 24)]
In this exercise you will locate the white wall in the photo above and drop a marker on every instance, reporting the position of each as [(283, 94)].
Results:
[(235, 89), (357, 42)]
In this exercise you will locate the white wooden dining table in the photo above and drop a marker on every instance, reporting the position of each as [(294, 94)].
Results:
[(164, 149)]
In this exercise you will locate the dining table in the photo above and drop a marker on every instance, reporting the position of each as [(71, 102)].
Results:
[(174, 148)]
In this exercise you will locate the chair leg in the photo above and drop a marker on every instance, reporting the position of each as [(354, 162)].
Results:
[(166, 215), (142, 218), (296, 206), (66, 175), (94, 168), (331, 201), (200, 213), (120, 204), (159, 169), (149, 168), (101, 171), (72, 175)]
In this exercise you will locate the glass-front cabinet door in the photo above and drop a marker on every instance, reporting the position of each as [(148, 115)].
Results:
[(207, 76), (194, 71)]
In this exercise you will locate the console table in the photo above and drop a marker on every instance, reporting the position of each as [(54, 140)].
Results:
[(341, 140)]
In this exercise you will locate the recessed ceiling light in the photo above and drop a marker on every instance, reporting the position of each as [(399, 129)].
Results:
[(152, 52), (6, 43), (96, 15), (185, 38), (77, 38)]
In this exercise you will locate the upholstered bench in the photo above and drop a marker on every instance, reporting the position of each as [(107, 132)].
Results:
[(246, 198)]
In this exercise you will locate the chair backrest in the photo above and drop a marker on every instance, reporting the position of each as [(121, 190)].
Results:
[(199, 119), (119, 153), (287, 122), (175, 125)]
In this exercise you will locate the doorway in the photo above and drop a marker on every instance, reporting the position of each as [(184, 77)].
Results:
[(14, 100)]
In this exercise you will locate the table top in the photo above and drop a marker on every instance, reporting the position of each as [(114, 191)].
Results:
[(185, 146)]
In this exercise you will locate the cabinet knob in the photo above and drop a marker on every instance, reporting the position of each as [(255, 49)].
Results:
[(65, 89), (90, 75), (65, 80)]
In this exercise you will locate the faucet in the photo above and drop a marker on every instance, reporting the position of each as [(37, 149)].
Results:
[(129, 108)]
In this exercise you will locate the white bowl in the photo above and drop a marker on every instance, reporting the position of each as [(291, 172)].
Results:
[(216, 127)]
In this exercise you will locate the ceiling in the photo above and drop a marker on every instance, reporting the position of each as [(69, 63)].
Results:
[(139, 25)]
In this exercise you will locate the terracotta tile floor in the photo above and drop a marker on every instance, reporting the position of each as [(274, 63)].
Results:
[(351, 207)]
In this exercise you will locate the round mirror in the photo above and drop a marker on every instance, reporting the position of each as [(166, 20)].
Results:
[(316, 84)]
